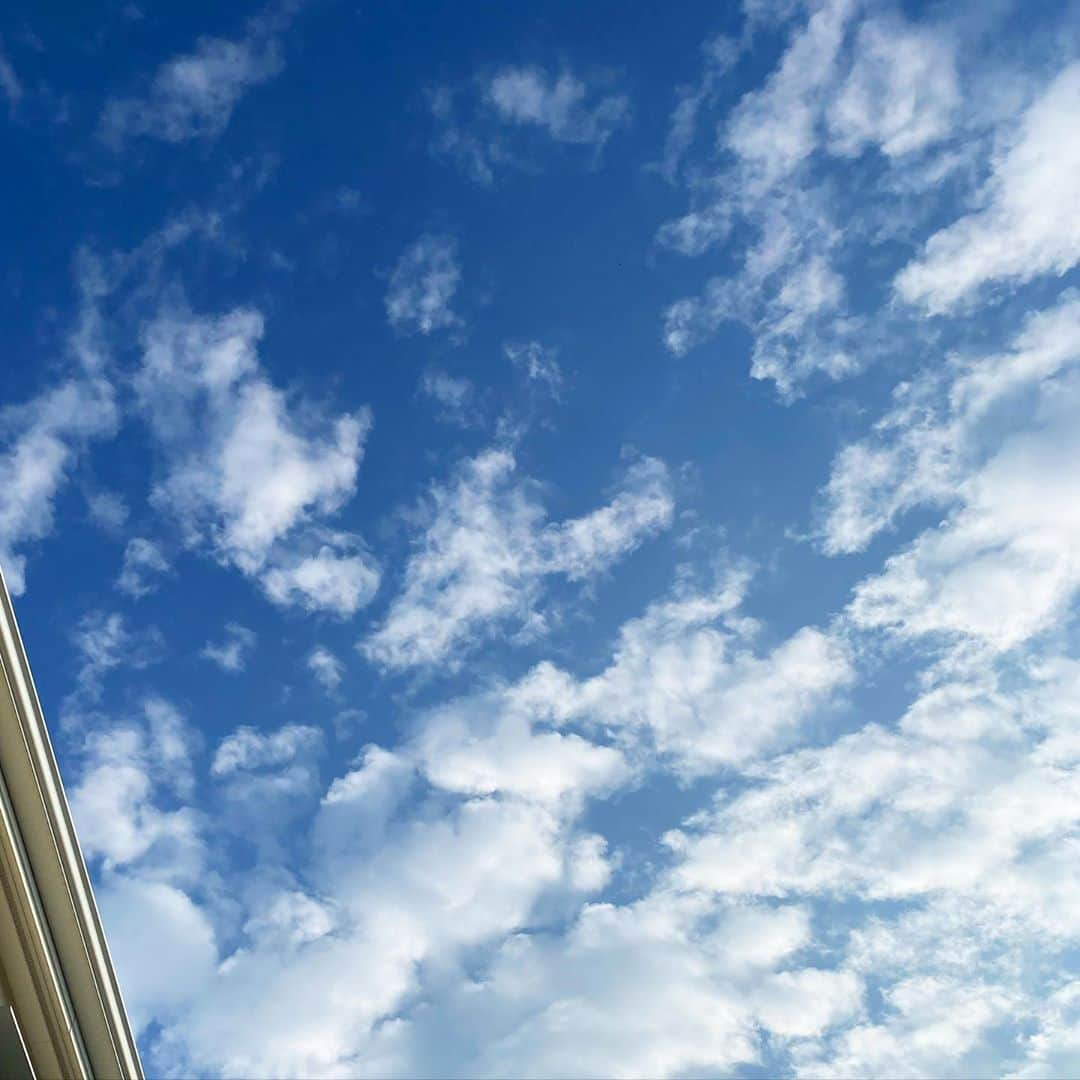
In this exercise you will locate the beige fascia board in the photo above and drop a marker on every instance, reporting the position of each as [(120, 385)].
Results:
[(52, 946)]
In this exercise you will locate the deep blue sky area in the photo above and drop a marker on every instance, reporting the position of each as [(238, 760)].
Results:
[(546, 533)]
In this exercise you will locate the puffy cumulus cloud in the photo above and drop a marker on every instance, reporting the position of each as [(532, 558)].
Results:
[(948, 839), (488, 744), (193, 95), (157, 928), (231, 654), (268, 785), (700, 981), (935, 1027), (924, 816), (402, 897), (486, 548), (423, 284), (244, 474), (1054, 1050), (1025, 226), (41, 443), (687, 683), (143, 560), (481, 127), (128, 771), (329, 580)]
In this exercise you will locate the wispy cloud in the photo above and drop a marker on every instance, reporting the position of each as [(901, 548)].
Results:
[(539, 365), (455, 397), (192, 96), (481, 127), (487, 547), (143, 560), (325, 668), (231, 654), (10, 85), (423, 285), (861, 87)]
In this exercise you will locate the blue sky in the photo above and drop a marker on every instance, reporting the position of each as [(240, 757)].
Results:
[(548, 536)]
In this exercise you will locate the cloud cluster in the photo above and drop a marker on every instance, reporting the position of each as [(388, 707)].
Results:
[(891, 99)]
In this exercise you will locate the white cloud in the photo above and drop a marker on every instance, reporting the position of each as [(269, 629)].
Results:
[(245, 474), (290, 919), (104, 642), (529, 95), (484, 128), (325, 667), (1054, 1050), (971, 797), (486, 549), (538, 363), (902, 92), (697, 978), (9, 82), (423, 284), (994, 441), (439, 886), (232, 653), (949, 840), (325, 581), (44, 438), (108, 510), (142, 560), (246, 749), (487, 744), (1026, 225), (127, 771), (850, 79), (156, 927), (456, 397), (943, 424), (720, 55), (192, 96), (685, 682)]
